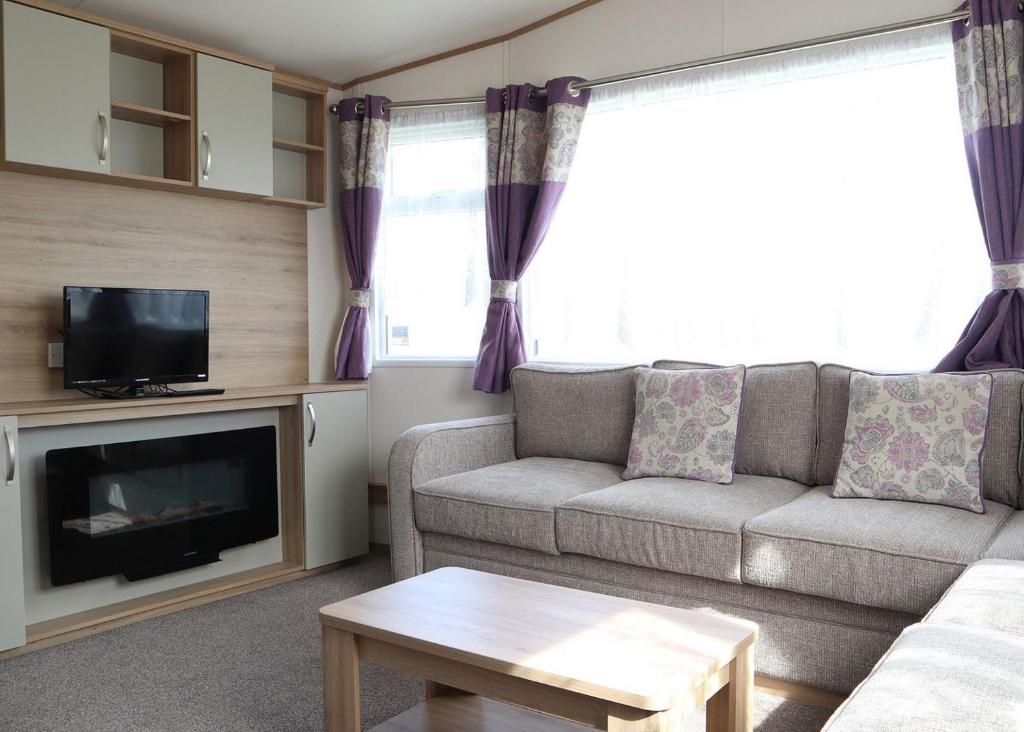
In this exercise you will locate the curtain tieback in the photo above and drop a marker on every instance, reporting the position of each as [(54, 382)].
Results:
[(1007, 276), (504, 290), (361, 299)]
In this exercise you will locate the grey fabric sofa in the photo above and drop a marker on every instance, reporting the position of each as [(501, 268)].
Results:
[(831, 582), (959, 669)]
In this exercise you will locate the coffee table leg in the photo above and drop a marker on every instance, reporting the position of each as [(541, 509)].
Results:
[(341, 681), (732, 708), (628, 719)]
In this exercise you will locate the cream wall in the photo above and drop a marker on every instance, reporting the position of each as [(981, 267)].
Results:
[(611, 37)]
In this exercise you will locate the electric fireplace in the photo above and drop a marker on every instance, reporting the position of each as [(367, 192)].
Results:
[(155, 506)]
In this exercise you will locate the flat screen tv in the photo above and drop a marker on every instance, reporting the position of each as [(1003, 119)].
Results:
[(131, 337)]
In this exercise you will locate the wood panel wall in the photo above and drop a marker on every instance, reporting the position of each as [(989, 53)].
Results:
[(250, 255)]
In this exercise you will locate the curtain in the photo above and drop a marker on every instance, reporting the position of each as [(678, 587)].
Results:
[(989, 53), (363, 145), (531, 140)]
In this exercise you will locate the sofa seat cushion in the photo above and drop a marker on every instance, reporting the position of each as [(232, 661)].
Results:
[(673, 524), (1009, 542), (510, 503), (938, 678), (989, 595), (888, 554)]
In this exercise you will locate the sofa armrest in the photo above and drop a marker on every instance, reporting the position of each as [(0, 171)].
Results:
[(434, 451)]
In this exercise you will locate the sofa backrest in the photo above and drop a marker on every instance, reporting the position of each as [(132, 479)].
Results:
[(575, 413), (1000, 462), (776, 432)]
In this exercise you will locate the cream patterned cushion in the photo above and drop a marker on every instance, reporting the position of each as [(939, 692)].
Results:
[(917, 437), (685, 424)]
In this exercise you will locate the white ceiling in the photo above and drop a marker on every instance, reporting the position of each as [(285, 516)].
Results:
[(336, 40)]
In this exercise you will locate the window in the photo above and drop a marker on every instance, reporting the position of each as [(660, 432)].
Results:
[(431, 279), (814, 205)]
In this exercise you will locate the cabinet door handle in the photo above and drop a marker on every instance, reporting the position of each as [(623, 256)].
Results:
[(312, 423), (208, 161), (12, 456), (105, 141)]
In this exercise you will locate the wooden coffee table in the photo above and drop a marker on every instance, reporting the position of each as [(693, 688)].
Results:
[(506, 654)]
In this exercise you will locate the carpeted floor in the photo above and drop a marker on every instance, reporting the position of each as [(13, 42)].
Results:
[(243, 664)]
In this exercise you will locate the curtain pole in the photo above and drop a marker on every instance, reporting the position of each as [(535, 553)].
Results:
[(958, 15)]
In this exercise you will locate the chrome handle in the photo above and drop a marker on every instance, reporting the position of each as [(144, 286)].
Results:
[(312, 423), (105, 143), (208, 163), (12, 456)]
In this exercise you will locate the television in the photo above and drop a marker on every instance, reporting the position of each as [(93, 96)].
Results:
[(132, 337)]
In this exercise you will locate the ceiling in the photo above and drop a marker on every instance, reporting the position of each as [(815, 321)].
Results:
[(336, 40)]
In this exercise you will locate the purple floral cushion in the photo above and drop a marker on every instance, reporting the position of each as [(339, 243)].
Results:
[(685, 424), (915, 438)]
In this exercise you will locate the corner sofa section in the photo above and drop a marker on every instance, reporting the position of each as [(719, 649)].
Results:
[(831, 582)]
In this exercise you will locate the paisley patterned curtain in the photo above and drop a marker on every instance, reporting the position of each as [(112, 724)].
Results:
[(363, 148), (989, 52), (531, 141)]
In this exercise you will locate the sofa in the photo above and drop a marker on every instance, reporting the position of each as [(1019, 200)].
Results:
[(832, 583)]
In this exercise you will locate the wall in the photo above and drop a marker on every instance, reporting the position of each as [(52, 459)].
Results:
[(611, 37), (250, 256)]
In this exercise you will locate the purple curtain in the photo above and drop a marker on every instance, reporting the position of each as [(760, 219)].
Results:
[(531, 141), (989, 53), (363, 149)]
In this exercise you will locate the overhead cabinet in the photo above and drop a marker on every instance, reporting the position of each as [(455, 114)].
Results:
[(236, 126), (56, 90), (86, 95)]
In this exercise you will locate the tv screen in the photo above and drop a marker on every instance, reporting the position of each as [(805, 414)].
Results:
[(130, 337)]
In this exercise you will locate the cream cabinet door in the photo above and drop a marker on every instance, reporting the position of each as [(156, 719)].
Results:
[(235, 130), (336, 473), (56, 90), (12, 585)]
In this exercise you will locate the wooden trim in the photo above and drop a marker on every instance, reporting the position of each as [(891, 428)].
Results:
[(798, 692), (293, 497), (116, 25), (346, 85), (86, 404), (299, 85)]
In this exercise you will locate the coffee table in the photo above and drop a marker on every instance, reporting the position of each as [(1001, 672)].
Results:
[(503, 654)]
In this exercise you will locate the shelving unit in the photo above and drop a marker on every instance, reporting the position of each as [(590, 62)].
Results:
[(300, 162), (152, 104)]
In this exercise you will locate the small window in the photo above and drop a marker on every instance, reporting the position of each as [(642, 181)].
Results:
[(431, 277)]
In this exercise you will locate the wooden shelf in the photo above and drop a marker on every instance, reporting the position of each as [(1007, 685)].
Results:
[(151, 180), (296, 146), (465, 713), (293, 202), (146, 115)]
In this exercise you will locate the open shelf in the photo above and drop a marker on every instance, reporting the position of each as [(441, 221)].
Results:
[(300, 161), (152, 134), (294, 202), (144, 115), (296, 146)]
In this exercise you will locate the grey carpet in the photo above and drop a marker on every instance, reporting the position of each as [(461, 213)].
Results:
[(247, 663)]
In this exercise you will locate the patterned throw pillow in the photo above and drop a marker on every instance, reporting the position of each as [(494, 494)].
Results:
[(685, 424), (915, 438)]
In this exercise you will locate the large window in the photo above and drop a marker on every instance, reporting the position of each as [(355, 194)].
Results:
[(815, 205), (431, 281)]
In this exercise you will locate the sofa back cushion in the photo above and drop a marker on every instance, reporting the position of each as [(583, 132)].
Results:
[(776, 433), (575, 413), (1000, 460)]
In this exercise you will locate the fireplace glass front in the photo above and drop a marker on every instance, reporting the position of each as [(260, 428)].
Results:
[(155, 506)]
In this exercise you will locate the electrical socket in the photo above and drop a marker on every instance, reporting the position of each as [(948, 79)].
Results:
[(55, 355)]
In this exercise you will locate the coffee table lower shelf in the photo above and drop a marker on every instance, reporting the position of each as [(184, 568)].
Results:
[(471, 713)]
